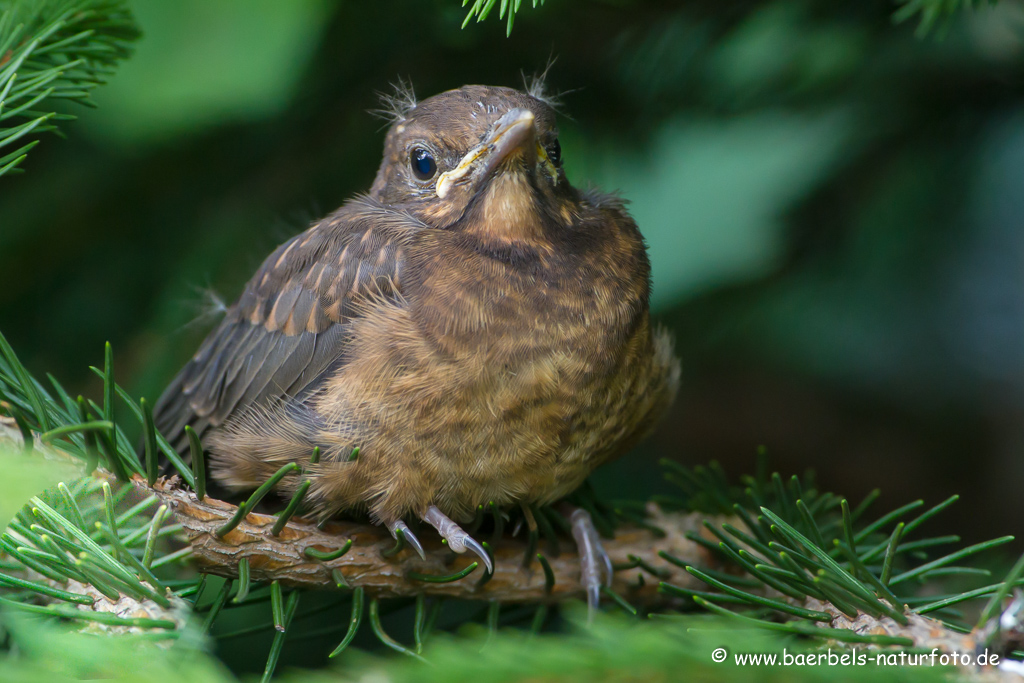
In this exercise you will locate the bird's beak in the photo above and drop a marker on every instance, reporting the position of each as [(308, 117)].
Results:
[(514, 133)]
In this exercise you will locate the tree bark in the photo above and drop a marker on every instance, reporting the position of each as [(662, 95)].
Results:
[(282, 558)]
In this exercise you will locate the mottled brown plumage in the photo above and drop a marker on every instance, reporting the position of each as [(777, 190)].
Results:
[(481, 334)]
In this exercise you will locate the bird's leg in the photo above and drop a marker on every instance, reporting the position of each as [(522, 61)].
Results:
[(593, 558), (410, 537), (458, 540)]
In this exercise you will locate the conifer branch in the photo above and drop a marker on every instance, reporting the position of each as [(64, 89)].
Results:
[(292, 556), (53, 50), (507, 10), (933, 13)]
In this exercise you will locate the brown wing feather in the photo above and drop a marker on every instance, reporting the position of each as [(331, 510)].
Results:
[(289, 325)]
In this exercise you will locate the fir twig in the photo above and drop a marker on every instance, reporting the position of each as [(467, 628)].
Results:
[(54, 50)]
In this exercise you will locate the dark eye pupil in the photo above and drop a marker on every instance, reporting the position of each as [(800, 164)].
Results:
[(555, 153), (423, 165)]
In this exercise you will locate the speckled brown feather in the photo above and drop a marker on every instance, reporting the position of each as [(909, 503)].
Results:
[(289, 324), (491, 346)]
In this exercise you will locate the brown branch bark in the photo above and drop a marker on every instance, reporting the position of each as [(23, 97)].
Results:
[(282, 558)]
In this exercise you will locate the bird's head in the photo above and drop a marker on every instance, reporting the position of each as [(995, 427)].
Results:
[(481, 159)]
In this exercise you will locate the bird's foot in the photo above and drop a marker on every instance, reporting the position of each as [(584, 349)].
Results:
[(458, 540), (408, 535), (595, 565)]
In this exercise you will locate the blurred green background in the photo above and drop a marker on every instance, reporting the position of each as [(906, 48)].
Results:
[(835, 209)]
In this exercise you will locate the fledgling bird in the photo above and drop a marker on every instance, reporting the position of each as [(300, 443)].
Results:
[(476, 326)]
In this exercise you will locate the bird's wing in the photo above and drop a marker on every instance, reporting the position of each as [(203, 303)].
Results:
[(288, 327)]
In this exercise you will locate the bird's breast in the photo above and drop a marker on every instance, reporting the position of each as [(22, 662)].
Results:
[(492, 375), (504, 331), (528, 307)]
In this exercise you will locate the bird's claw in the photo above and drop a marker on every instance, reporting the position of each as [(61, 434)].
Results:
[(593, 558), (480, 552), (408, 535), (458, 539)]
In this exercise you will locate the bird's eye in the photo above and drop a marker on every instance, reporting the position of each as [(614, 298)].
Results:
[(423, 165), (554, 151)]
